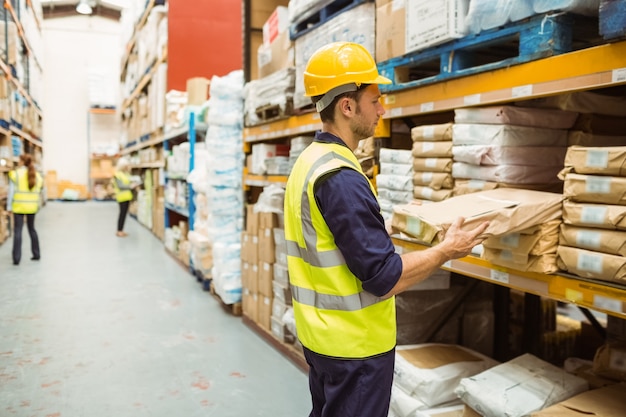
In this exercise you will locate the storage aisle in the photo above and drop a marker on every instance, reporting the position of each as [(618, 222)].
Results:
[(107, 326)]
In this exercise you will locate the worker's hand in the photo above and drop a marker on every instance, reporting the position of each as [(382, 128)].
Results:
[(458, 243)]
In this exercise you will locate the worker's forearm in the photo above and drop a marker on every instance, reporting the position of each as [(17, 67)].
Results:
[(417, 266)]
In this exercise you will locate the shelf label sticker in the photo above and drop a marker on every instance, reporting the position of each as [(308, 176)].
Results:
[(390, 99), (619, 75), (598, 185), (396, 112), (428, 106), (500, 276), (573, 295), (522, 91), (608, 304), (472, 99), (447, 264)]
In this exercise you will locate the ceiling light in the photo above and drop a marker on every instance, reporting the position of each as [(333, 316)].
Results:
[(83, 7)]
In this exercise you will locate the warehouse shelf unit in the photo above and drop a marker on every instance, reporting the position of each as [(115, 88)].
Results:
[(588, 69), (20, 123)]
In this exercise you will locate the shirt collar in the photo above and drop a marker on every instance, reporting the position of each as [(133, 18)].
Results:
[(328, 138)]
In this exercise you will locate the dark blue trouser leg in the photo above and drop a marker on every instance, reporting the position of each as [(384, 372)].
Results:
[(34, 238), (18, 225)]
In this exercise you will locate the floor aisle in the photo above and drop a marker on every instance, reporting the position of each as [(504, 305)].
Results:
[(107, 326)]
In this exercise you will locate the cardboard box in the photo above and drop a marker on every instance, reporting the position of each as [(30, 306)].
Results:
[(276, 24), (596, 160), (262, 9), (594, 215), (266, 246), (262, 151), (278, 309), (607, 241), (590, 264), (282, 292), (281, 274), (278, 55), (519, 387), (265, 312), (430, 23), (508, 210), (280, 331), (197, 91), (610, 361), (390, 29), (266, 276), (608, 401), (595, 189), (249, 304), (252, 220), (268, 220)]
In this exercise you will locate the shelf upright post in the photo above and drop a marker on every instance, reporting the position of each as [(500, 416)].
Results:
[(192, 156), (166, 148)]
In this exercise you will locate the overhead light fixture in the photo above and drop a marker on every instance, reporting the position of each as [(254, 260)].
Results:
[(83, 7)]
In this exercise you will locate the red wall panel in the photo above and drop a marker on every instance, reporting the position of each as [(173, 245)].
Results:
[(204, 39)]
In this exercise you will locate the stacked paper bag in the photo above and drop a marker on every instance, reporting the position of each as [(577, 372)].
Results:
[(592, 240), (395, 181), (519, 387), (432, 160), (426, 375), (508, 146)]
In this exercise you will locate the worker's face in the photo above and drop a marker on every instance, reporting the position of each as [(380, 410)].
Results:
[(368, 112)]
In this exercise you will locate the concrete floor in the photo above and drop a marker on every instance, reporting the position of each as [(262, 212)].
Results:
[(107, 326)]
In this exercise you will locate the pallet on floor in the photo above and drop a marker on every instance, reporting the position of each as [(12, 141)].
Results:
[(320, 15), (518, 42), (235, 309)]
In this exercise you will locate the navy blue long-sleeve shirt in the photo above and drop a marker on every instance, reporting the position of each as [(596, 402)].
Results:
[(353, 216)]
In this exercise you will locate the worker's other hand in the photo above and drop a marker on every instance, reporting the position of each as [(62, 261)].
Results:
[(458, 243)]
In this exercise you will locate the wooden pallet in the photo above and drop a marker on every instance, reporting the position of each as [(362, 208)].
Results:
[(318, 16), (235, 309), (534, 38), (271, 112)]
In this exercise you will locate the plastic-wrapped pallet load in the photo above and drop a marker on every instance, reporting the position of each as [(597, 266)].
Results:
[(585, 7), (272, 94), (519, 387), (489, 14), (433, 22), (431, 372)]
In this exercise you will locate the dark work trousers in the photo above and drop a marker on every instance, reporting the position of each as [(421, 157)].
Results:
[(18, 225), (350, 387), (122, 217)]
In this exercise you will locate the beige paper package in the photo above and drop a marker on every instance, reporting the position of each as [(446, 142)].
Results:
[(608, 401), (432, 164), (596, 160), (508, 210), (537, 240), (542, 264), (442, 149), (427, 193), (612, 242), (595, 189), (430, 133), (591, 264), (434, 180), (604, 216)]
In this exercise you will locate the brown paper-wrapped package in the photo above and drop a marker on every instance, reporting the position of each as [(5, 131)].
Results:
[(590, 264), (595, 189), (603, 216), (612, 242)]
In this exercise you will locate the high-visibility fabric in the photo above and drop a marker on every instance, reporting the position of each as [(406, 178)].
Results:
[(334, 315), (25, 200), (121, 184)]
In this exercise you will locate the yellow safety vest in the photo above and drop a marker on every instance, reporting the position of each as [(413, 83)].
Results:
[(334, 315), (121, 185), (25, 200)]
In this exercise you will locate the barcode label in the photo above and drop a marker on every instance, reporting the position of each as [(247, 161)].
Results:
[(429, 106), (589, 262), (593, 215), (429, 132), (447, 264), (499, 276), (607, 303), (427, 146), (396, 112), (588, 239), (510, 240), (597, 158), (619, 75), (522, 91), (472, 99), (598, 185), (427, 177)]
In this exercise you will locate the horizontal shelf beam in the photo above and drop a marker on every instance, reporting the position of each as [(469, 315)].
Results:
[(180, 210), (146, 165), (264, 180), (293, 126)]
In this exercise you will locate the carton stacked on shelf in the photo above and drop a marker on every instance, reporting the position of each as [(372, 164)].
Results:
[(508, 146), (296, 146), (281, 302), (395, 181), (592, 240), (432, 162)]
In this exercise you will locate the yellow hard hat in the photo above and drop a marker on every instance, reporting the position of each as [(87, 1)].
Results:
[(338, 68)]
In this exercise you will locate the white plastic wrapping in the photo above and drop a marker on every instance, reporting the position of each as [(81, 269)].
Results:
[(274, 90), (507, 135), (586, 7), (395, 156), (489, 14), (519, 116), (395, 182)]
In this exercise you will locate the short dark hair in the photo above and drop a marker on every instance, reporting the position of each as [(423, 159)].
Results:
[(328, 114)]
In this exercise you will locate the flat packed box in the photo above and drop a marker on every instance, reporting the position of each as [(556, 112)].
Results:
[(608, 401), (612, 242), (519, 387), (519, 116), (433, 22), (595, 189), (596, 160), (508, 210), (604, 216), (591, 264), (390, 29), (429, 133)]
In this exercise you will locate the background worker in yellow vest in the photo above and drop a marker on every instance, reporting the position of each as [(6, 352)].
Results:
[(25, 185), (123, 192), (343, 268)]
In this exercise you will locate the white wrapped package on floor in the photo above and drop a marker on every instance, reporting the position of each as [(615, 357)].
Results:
[(512, 174), (226, 271), (518, 387), (435, 370), (402, 404), (509, 155), (507, 135), (518, 116)]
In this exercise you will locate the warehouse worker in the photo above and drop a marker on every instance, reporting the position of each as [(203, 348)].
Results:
[(123, 193), (343, 269), (25, 185)]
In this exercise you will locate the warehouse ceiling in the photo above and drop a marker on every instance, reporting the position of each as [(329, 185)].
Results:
[(110, 9)]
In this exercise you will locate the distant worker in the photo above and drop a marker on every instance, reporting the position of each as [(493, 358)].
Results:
[(123, 193), (25, 185), (343, 269)]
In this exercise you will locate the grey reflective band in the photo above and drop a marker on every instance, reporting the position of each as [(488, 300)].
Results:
[(328, 98), (352, 302), (327, 259)]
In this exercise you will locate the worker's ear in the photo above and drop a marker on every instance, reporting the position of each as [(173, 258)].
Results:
[(347, 106)]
